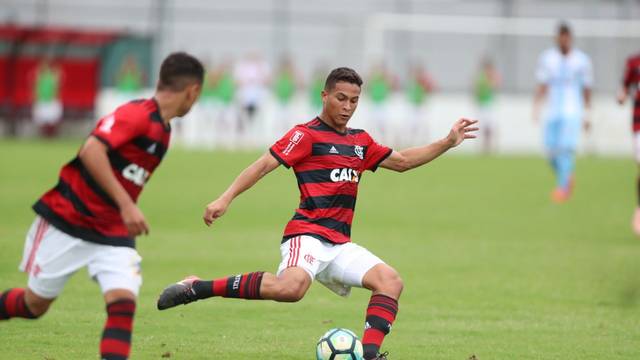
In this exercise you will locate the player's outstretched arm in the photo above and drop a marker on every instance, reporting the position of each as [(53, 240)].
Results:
[(247, 178), (93, 155), (417, 156)]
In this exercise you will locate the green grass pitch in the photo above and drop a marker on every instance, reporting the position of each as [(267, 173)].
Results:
[(491, 267)]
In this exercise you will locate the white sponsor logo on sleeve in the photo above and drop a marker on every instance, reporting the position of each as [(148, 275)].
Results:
[(107, 124), (293, 141)]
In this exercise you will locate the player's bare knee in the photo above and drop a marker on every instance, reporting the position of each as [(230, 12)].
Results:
[(392, 284), (37, 309), (386, 280), (398, 285), (37, 305), (293, 292)]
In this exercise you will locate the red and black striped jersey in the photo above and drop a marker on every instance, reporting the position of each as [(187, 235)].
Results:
[(631, 80), (137, 140), (328, 166)]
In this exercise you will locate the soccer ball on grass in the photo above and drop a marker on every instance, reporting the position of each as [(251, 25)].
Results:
[(339, 344)]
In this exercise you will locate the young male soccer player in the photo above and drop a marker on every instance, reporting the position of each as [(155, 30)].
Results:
[(631, 82), (90, 218), (565, 75), (328, 159)]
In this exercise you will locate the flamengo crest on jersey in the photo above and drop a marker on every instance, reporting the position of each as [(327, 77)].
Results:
[(328, 166), (137, 139)]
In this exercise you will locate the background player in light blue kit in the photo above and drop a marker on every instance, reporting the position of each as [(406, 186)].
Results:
[(565, 77)]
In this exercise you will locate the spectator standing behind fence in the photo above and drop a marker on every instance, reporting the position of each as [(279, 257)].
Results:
[(252, 75), (316, 85), (419, 86), (379, 89), (47, 106), (485, 86), (227, 116), (130, 77), (284, 88)]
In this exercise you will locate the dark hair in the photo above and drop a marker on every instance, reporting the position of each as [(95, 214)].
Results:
[(342, 74), (178, 70), (564, 29)]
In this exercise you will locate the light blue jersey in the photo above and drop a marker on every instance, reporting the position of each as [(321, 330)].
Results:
[(566, 78)]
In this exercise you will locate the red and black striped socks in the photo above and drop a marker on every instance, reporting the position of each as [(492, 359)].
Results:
[(244, 286), (381, 313), (116, 337), (12, 305)]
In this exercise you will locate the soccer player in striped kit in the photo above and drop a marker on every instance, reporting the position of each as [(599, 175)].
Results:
[(90, 218), (631, 82), (328, 159)]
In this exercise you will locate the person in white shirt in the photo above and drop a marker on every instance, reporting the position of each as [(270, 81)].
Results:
[(252, 75)]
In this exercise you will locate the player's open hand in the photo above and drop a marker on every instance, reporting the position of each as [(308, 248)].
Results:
[(622, 97), (461, 130), (215, 210), (134, 220)]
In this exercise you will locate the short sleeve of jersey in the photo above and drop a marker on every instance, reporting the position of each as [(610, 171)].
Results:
[(543, 74), (118, 128), (293, 147), (375, 154)]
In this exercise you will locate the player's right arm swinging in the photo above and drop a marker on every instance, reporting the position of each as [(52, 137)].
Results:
[(93, 155), (247, 178)]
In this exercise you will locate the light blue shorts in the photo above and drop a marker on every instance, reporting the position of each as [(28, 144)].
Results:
[(562, 133)]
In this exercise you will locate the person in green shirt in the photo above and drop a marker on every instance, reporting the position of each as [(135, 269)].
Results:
[(197, 130), (316, 86), (284, 86), (130, 78), (209, 86), (379, 89), (225, 86), (47, 107), (379, 86), (213, 121), (419, 86), (227, 115), (485, 86)]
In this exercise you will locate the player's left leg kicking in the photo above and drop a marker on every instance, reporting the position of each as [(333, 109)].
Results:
[(51, 257), (304, 258)]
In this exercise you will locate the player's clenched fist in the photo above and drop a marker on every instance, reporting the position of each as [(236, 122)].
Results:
[(214, 210)]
